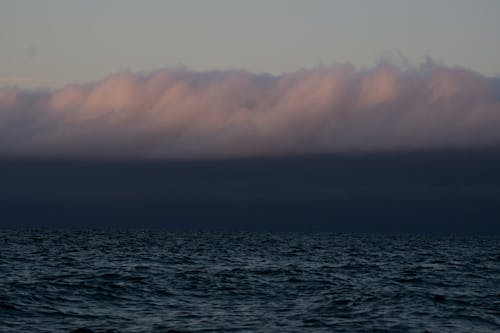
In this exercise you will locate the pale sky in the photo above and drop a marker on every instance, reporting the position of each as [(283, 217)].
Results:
[(51, 43)]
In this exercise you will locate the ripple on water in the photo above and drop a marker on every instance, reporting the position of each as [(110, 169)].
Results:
[(157, 281)]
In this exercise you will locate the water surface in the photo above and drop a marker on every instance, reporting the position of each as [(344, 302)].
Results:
[(59, 280)]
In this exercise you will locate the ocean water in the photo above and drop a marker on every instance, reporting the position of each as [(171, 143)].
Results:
[(62, 280)]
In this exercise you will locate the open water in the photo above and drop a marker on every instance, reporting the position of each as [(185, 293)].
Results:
[(91, 280)]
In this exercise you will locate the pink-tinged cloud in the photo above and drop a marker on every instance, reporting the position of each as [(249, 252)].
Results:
[(184, 114)]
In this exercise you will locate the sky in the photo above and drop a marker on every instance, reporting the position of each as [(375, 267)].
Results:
[(292, 115), (55, 42), (230, 79)]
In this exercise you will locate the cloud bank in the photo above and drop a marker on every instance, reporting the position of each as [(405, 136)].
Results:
[(183, 114)]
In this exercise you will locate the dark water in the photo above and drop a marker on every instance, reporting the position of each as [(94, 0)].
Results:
[(157, 281)]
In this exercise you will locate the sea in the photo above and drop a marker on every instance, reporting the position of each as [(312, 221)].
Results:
[(132, 280)]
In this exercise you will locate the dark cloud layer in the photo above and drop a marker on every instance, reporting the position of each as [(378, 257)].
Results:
[(185, 114), (455, 191)]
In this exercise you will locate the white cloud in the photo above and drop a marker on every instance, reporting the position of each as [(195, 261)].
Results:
[(186, 114)]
